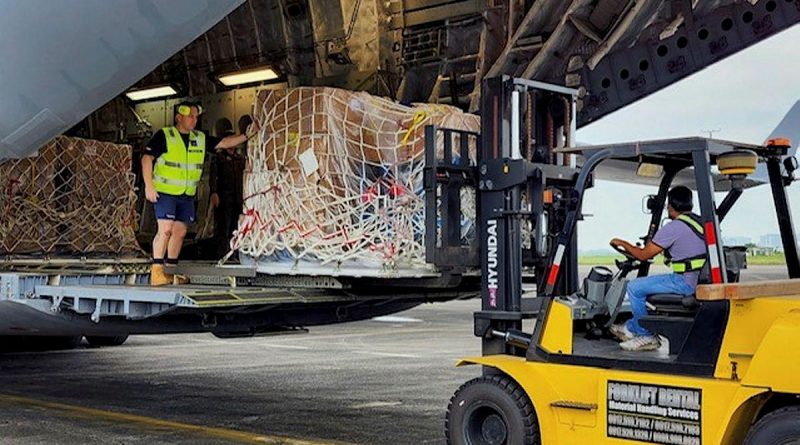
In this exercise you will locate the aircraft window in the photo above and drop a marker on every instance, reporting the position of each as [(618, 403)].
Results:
[(644, 65), (747, 17), (606, 83), (683, 42), (771, 5), (624, 74), (662, 51), (702, 34)]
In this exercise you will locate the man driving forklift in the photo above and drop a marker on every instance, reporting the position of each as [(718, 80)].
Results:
[(683, 244)]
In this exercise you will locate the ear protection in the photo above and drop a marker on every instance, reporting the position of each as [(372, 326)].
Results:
[(185, 110)]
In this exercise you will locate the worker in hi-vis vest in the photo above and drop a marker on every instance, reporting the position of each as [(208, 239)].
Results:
[(682, 240), (172, 165)]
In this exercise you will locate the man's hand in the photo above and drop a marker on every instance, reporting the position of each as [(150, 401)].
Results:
[(151, 194), (252, 129), (616, 242), (640, 253), (215, 200)]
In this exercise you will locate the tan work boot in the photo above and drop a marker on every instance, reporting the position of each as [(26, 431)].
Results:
[(180, 279), (158, 277)]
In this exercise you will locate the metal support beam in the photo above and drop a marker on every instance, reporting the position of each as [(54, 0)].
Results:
[(628, 74), (784, 213), (708, 211), (443, 12), (535, 19), (563, 35), (639, 13)]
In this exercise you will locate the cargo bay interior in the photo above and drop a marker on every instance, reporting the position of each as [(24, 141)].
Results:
[(613, 51)]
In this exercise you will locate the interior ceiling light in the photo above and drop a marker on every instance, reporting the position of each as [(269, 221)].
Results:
[(248, 76), (151, 93)]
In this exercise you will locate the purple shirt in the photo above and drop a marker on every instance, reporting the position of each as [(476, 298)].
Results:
[(681, 242)]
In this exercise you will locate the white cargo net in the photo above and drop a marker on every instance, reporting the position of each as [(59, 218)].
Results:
[(334, 181)]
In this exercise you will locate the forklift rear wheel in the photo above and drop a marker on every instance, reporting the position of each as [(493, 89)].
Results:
[(106, 341), (491, 411), (780, 427)]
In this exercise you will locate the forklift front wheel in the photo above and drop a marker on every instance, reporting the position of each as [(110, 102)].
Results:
[(491, 411), (780, 427)]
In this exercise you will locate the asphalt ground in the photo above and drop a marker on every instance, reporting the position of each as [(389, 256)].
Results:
[(384, 381)]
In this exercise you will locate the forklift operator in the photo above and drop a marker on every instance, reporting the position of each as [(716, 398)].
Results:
[(683, 244)]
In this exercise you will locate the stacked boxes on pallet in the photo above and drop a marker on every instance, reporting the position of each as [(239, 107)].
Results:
[(334, 180)]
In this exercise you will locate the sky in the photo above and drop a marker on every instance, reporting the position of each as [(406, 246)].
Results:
[(744, 97)]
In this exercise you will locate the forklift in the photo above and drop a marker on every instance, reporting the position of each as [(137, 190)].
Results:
[(731, 371)]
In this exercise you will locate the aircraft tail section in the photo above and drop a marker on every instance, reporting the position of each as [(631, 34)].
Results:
[(789, 128)]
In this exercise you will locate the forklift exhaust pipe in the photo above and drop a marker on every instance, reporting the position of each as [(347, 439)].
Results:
[(513, 337)]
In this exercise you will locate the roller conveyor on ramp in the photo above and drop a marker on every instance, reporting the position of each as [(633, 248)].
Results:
[(125, 293), (130, 296)]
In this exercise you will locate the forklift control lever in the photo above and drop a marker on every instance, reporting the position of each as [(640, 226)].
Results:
[(514, 337)]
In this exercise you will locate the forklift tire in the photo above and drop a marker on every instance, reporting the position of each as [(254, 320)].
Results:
[(106, 341), (491, 410), (780, 427)]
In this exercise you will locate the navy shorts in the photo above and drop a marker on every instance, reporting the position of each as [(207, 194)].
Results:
[(175, 208)]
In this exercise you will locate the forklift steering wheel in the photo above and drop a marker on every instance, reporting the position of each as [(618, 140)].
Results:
[(624, 252)]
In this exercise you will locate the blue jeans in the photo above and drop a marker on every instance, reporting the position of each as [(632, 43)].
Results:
[(640, 288)]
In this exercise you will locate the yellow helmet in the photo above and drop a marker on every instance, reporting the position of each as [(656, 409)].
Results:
[(185, 110)]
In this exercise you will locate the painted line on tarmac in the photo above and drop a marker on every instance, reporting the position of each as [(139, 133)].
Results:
[(159, 424), (396, 319), (386, 354)]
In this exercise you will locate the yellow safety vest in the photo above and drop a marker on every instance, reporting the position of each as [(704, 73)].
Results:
[(694, 263), (178, 171)]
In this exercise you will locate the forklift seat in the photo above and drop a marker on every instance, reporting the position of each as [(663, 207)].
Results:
[(671, 315), (686, 305), (673, 304)]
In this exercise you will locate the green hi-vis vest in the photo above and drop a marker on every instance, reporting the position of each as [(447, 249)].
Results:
[(694, 263), (178, 171)]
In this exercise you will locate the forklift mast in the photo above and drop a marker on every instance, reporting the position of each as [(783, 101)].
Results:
[(524, 189)]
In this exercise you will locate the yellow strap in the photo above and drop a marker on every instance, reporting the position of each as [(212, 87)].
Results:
[(294, 139), (416, 121), (680, 267), (689, 220)]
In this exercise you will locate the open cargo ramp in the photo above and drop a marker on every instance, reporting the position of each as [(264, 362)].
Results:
[(124, 303)]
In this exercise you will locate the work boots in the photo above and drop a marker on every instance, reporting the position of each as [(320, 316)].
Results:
[(180, 279), (158, 277)]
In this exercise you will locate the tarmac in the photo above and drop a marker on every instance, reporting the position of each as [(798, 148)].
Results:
[(382, 381)]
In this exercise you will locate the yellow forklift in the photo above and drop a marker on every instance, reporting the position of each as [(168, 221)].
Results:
[(731, 371)]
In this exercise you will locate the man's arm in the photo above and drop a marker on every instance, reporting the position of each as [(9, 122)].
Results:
[(233, 141), (147, 175), (154, 148), (649, 251)]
